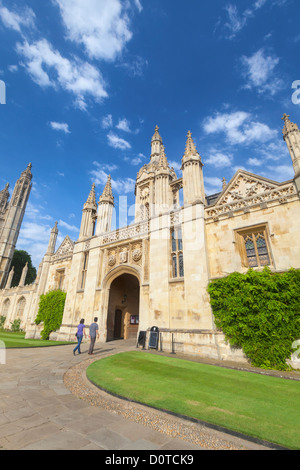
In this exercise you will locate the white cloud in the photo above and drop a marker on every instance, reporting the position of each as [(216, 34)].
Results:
[(281, 172), (13, 68), (101, 26), (138, 5), (71, 228), (16, 21), (107, 121), (133, 160), (239, 128), (254, 162), (117, 143), (212, 185), (48, 68), (123, 125), (175, 165), (259, 72), (120, 186), (135, 66), (60, 126), (219, 159), (237, 21)]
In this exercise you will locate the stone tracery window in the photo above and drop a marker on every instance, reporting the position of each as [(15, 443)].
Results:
[(20, 307), (5, 308), (177, 253), (254, 246), (84, 270)]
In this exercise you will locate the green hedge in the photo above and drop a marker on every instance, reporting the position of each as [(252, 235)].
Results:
[(260, 313), (51, 309)]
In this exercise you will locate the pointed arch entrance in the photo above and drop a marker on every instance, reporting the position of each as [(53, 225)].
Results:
[(123, 307)]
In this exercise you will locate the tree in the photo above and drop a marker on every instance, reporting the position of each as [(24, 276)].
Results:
[(51, 310), (19, 260)]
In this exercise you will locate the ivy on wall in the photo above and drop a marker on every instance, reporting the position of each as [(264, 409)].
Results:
[(260, 313), (51, 309)]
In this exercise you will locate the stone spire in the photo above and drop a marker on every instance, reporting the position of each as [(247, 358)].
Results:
[(27, 172), (15, 211), (193, 186), (105, 209), (291, 135), (163, 162), (52, 241), (88, 216), (107, 195), (91, 200), (10, 278), (4, 196), (190, 149), (156, 145)]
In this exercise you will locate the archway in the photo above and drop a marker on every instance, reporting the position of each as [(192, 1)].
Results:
[(123, 308)]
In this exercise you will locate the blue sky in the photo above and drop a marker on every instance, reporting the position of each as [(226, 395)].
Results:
[(87, 81)]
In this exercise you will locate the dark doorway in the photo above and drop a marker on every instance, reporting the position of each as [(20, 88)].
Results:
[(118, 324), (123, 308)]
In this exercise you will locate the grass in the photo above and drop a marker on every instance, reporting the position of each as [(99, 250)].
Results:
[(258, 406), (17, 340)]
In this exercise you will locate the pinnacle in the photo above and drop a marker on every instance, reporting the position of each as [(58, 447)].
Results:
[(190, 148), (156, 135), (107, 192), (92, 196)]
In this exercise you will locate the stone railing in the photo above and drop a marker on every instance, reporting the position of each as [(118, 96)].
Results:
[(126, 233)]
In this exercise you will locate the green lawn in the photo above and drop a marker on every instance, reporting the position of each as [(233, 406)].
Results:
[(259, 406), (17, 340)]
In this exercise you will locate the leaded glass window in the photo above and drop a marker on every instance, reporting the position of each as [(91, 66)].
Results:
[(257, 253), (84, 270), (177, 253)]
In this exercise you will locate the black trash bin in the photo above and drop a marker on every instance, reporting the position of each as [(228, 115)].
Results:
[(153, 338)]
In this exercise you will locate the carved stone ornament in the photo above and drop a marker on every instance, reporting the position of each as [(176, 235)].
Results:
[(123, 256), (112, 260), (137, 254)]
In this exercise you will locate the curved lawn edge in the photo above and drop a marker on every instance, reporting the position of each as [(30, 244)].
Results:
[(215, 427)]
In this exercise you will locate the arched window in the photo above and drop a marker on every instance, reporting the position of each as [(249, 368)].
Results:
[(20, 307), (5, 308)]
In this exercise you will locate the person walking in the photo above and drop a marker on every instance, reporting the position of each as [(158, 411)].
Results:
[(80, 333), (94, 332)]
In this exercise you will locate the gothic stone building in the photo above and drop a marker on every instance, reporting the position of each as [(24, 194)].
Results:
[(155, 272)]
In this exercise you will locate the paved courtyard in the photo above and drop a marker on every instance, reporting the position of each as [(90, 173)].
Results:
[(46, 403)]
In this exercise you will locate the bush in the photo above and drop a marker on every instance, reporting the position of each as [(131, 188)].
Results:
[(15, 325), (51, 309), (260, 313), (2, 321)]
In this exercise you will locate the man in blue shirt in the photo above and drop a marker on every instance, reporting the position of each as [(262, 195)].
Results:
[(94, 332)]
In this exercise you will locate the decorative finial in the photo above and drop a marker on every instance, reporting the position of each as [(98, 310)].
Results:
[(107, 195)]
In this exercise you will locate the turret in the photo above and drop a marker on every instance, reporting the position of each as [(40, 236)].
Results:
[(105, 209), (52, 241), (156, 145), (193, 186), (291, 135), (13, 220), (4, 196), (88, 216)]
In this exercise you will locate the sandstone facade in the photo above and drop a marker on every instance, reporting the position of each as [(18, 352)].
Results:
[(155, 272)]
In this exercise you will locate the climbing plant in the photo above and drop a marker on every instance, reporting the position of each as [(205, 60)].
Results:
[(260, 313), (51, 309)]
